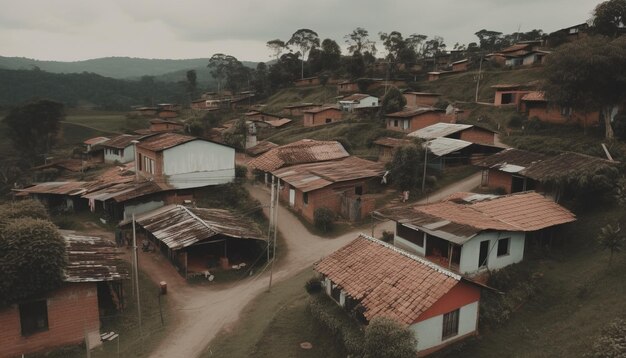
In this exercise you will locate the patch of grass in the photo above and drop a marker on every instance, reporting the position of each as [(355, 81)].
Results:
[(274, 324), (287, 96)]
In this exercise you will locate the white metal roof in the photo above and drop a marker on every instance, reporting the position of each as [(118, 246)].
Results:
[(442, 146), (439, 130)]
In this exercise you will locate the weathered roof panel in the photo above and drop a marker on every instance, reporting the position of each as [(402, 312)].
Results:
[(302, 151), (439, 130), (92, 259)]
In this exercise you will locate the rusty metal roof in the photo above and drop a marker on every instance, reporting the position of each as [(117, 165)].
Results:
[(121, 141), (261, 147), (61, 188), (356, 97), (387, 281), (460, 220), (95, 140), (164, 141), (412, 112), (313, 176), (535, 96), (511, 158), (566, 165), (439, 130), (92, 259), (321, 109), (178, 226), (392, 142), (277, 123), (302, 151), (124, 191)]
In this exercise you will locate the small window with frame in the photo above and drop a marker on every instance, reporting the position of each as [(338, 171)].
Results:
[(33, 317), (450, 325), (305, 198), (504, 246)]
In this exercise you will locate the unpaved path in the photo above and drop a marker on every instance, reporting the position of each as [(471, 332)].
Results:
[(202, 311)]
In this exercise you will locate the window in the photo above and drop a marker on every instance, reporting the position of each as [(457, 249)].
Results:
[(33, 317), (412, 235), (305, 198), (503, 246), (484, 181), (358, 190), (450, 324), (395, 122), (328, 120), (566, 111), (335, 291)]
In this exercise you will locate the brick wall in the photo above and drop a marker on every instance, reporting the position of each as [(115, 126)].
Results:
[(552, 114), (319, 119), (71, 309), (498, 179), (478, 135), (413, 100)]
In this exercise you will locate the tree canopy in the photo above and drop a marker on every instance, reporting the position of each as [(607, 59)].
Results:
[(33, 128), (589, 75), (305, 40), (609, 18), (25, 208), (406, 167), (393, 101), (385, 337)]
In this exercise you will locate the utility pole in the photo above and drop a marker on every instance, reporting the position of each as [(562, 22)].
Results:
[(271, 217), (275, 204), (136, 273)]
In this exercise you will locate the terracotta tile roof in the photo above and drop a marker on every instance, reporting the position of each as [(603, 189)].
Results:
[(164, 141), (313, 176), (516, 47), (302, 151), (260, 148), (536, 96), (412, 112), (387, 281), (277, 123), (392, 142), (321, 109), (92, 259), (461, 218), (121, 141), (95, 140), (355, 97)]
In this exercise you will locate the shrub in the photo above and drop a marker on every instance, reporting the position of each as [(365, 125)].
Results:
[(25, 208), (313, 285), (385, 337), (516, 121), (323, 219), (387, 236), (32, 259), (332, 317), (612, 341), (241, 171)]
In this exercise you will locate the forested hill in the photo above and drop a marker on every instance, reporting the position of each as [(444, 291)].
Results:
[(85, 89), (119, 67)]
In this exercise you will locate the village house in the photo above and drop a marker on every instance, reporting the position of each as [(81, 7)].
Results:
[(421, 99), (435, 75), (147, 111), (298, 109), (443, 152), (460, 66), (357, 101), (474, 233), (466, 132), (262, 116), (411, 119), (535, 57), (167, 113), (307, 81), (339, 185), (302, 151), (536, 105), (387, 147), (502, 170), (322, 115), (260, 148), (438, 306), (510, 94), (184, 161), (70, 314), (572, 33), (94, 152), (161, 125), (201, 241), (348, 87), (120, 149), (513, 55)]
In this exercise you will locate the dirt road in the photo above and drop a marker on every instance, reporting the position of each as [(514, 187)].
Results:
[(202, 311)]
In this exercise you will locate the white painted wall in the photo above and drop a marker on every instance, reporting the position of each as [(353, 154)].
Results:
[(129, 155), (471, 250), (199, 163), (409, 246), (428, 332)]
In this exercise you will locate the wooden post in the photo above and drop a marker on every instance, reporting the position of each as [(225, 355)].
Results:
[(136, 272)]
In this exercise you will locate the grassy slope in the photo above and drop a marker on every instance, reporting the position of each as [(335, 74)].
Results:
[(287, 96)]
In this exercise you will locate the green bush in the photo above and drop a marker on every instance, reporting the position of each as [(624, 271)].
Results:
[(516, 121), (387, 236), (612, 341), (313, 285), (32, 259), (332, 317), (385, 337), (241, 171), (20, 209), (323, 219)]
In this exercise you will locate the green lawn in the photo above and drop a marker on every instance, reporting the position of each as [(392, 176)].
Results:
[(274, 325)]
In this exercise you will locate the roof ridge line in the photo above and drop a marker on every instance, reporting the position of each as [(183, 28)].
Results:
[(413, 257), (199, 219)]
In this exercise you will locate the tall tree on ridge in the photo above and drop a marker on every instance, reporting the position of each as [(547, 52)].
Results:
[(305, 40)]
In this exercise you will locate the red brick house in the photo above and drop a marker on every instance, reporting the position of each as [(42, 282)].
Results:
[(348, 87), (340, 185), (536, 105), (439, 306), (466, 132), (322, 115), (412, 119), (421, 99), (298, 109), (68, 314), (460, 66), (509, 94), (502, 170), (161, 125), (387, 147), (308, 81), (167, 113)]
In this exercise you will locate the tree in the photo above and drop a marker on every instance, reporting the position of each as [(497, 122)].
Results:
[(323, 219), (32, 259), (305, 40), (261, 81), (33, 128), (612, 238), (393, 43), (406, 167), (489, 40), (385, 337), (609, 17), (358, 42), (393, 101), (25, 208), (227, 68), (277, 47), (589, 75), (192, 83)]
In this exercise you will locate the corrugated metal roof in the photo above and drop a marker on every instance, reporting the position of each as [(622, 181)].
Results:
[(392, 142), (164, 141), (321, 109), (412, 112), (355, 97), (302, 151), (313, 176), (261, 147), (61, 188), (120, 142), (387, 281), (511, 157), (442, 145), (95, 140), (92, 259), (566, 165), (439, 130), (178, 226)]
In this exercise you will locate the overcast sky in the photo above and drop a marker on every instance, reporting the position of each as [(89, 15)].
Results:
[(68, 30)]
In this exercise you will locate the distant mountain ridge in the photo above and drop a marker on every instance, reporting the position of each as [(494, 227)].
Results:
[(120, 67)]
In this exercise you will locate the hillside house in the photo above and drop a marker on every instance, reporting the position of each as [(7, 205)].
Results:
[(147, 111), (161, 125), (435, 75), (339, 185), (443, 152), (473, 233), (421, 99), (94, 152), (357, 101), (184, 161), (536, 105), (262, 116), (411, 119), (573, 33), (321, 116), (502, 170), (439, 306), (308, 81), (120, 149), (509, 94), (348, 87), (298, 109), (92, 142), (387, 147), (167, 113), (300, 152), (466, 132), (199, 240), (460, 66), (535, 57), (70, 313)]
